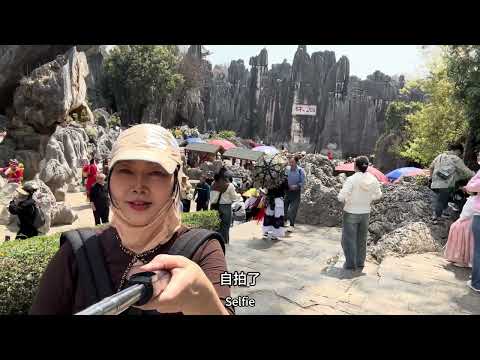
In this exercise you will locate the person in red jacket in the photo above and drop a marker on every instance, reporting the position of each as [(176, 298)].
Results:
[(14, 173), (330, 155), (91, 177)]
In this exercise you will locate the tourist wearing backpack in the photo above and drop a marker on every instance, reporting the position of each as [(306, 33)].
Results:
[(446, 169), (28, 214), (145, 235)]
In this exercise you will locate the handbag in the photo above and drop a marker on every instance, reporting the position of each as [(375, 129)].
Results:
[(445, 170)]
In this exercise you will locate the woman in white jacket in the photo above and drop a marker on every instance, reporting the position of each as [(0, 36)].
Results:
[(358, 192)]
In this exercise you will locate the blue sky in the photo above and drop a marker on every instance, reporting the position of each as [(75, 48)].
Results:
[(364, 59)]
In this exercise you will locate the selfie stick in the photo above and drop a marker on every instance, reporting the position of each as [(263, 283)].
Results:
[(138, 293)]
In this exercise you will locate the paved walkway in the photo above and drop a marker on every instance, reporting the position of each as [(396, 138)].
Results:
[(303, 274)]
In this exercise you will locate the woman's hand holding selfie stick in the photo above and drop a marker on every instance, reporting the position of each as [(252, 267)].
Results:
[(168, 284)]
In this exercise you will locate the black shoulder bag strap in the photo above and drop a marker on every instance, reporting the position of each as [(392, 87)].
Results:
[(92, 270), (217, 204), (189, 242)]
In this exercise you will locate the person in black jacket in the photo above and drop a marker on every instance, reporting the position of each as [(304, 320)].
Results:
[(202, 194), (100, 201), (25, 208)]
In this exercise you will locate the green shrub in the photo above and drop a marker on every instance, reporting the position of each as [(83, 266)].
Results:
[(114, 121), (226, 134), (22, 263), (421, 180), (21, 266), (91, 132), (202, 219)]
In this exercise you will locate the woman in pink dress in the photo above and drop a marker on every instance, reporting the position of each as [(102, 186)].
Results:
[(459, 248), (92, 177)]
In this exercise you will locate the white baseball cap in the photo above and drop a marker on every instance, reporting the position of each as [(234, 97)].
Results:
[(148, 142)]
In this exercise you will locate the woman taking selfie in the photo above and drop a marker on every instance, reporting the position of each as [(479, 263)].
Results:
[(144, 190)]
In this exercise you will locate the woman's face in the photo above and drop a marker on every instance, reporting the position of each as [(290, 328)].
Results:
[(140, 189)]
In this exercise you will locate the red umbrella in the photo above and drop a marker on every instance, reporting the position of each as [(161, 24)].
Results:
[(350, 167), (225, 144)]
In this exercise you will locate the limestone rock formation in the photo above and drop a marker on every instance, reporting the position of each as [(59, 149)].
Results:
[(61, 192), (239, 171), (211, 168), (7, 193), (64, 152), (385, 159), (18, 60), (105, 143), (43, 100), (96, 55), (350, 112), (319, 204), (412, 238), (102, 117), (400, 204), (194, 173), (52, 92), (228, 106), (63, 215)]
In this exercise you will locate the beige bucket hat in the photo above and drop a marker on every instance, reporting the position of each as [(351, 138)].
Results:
[(148, 142)]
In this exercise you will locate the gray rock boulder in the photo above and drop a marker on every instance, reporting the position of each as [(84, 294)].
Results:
[(102, 117), (60, 193), (44, 99), (194, 173), (239, 171), (55, 175), (209, 169), (66, 149), (15, 60), (63, 215), (319, 204), (400, 204), (45, 200), (73, 142), (412, 238), (105, 143), (53, 91), (385, 159), (7, 193)]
